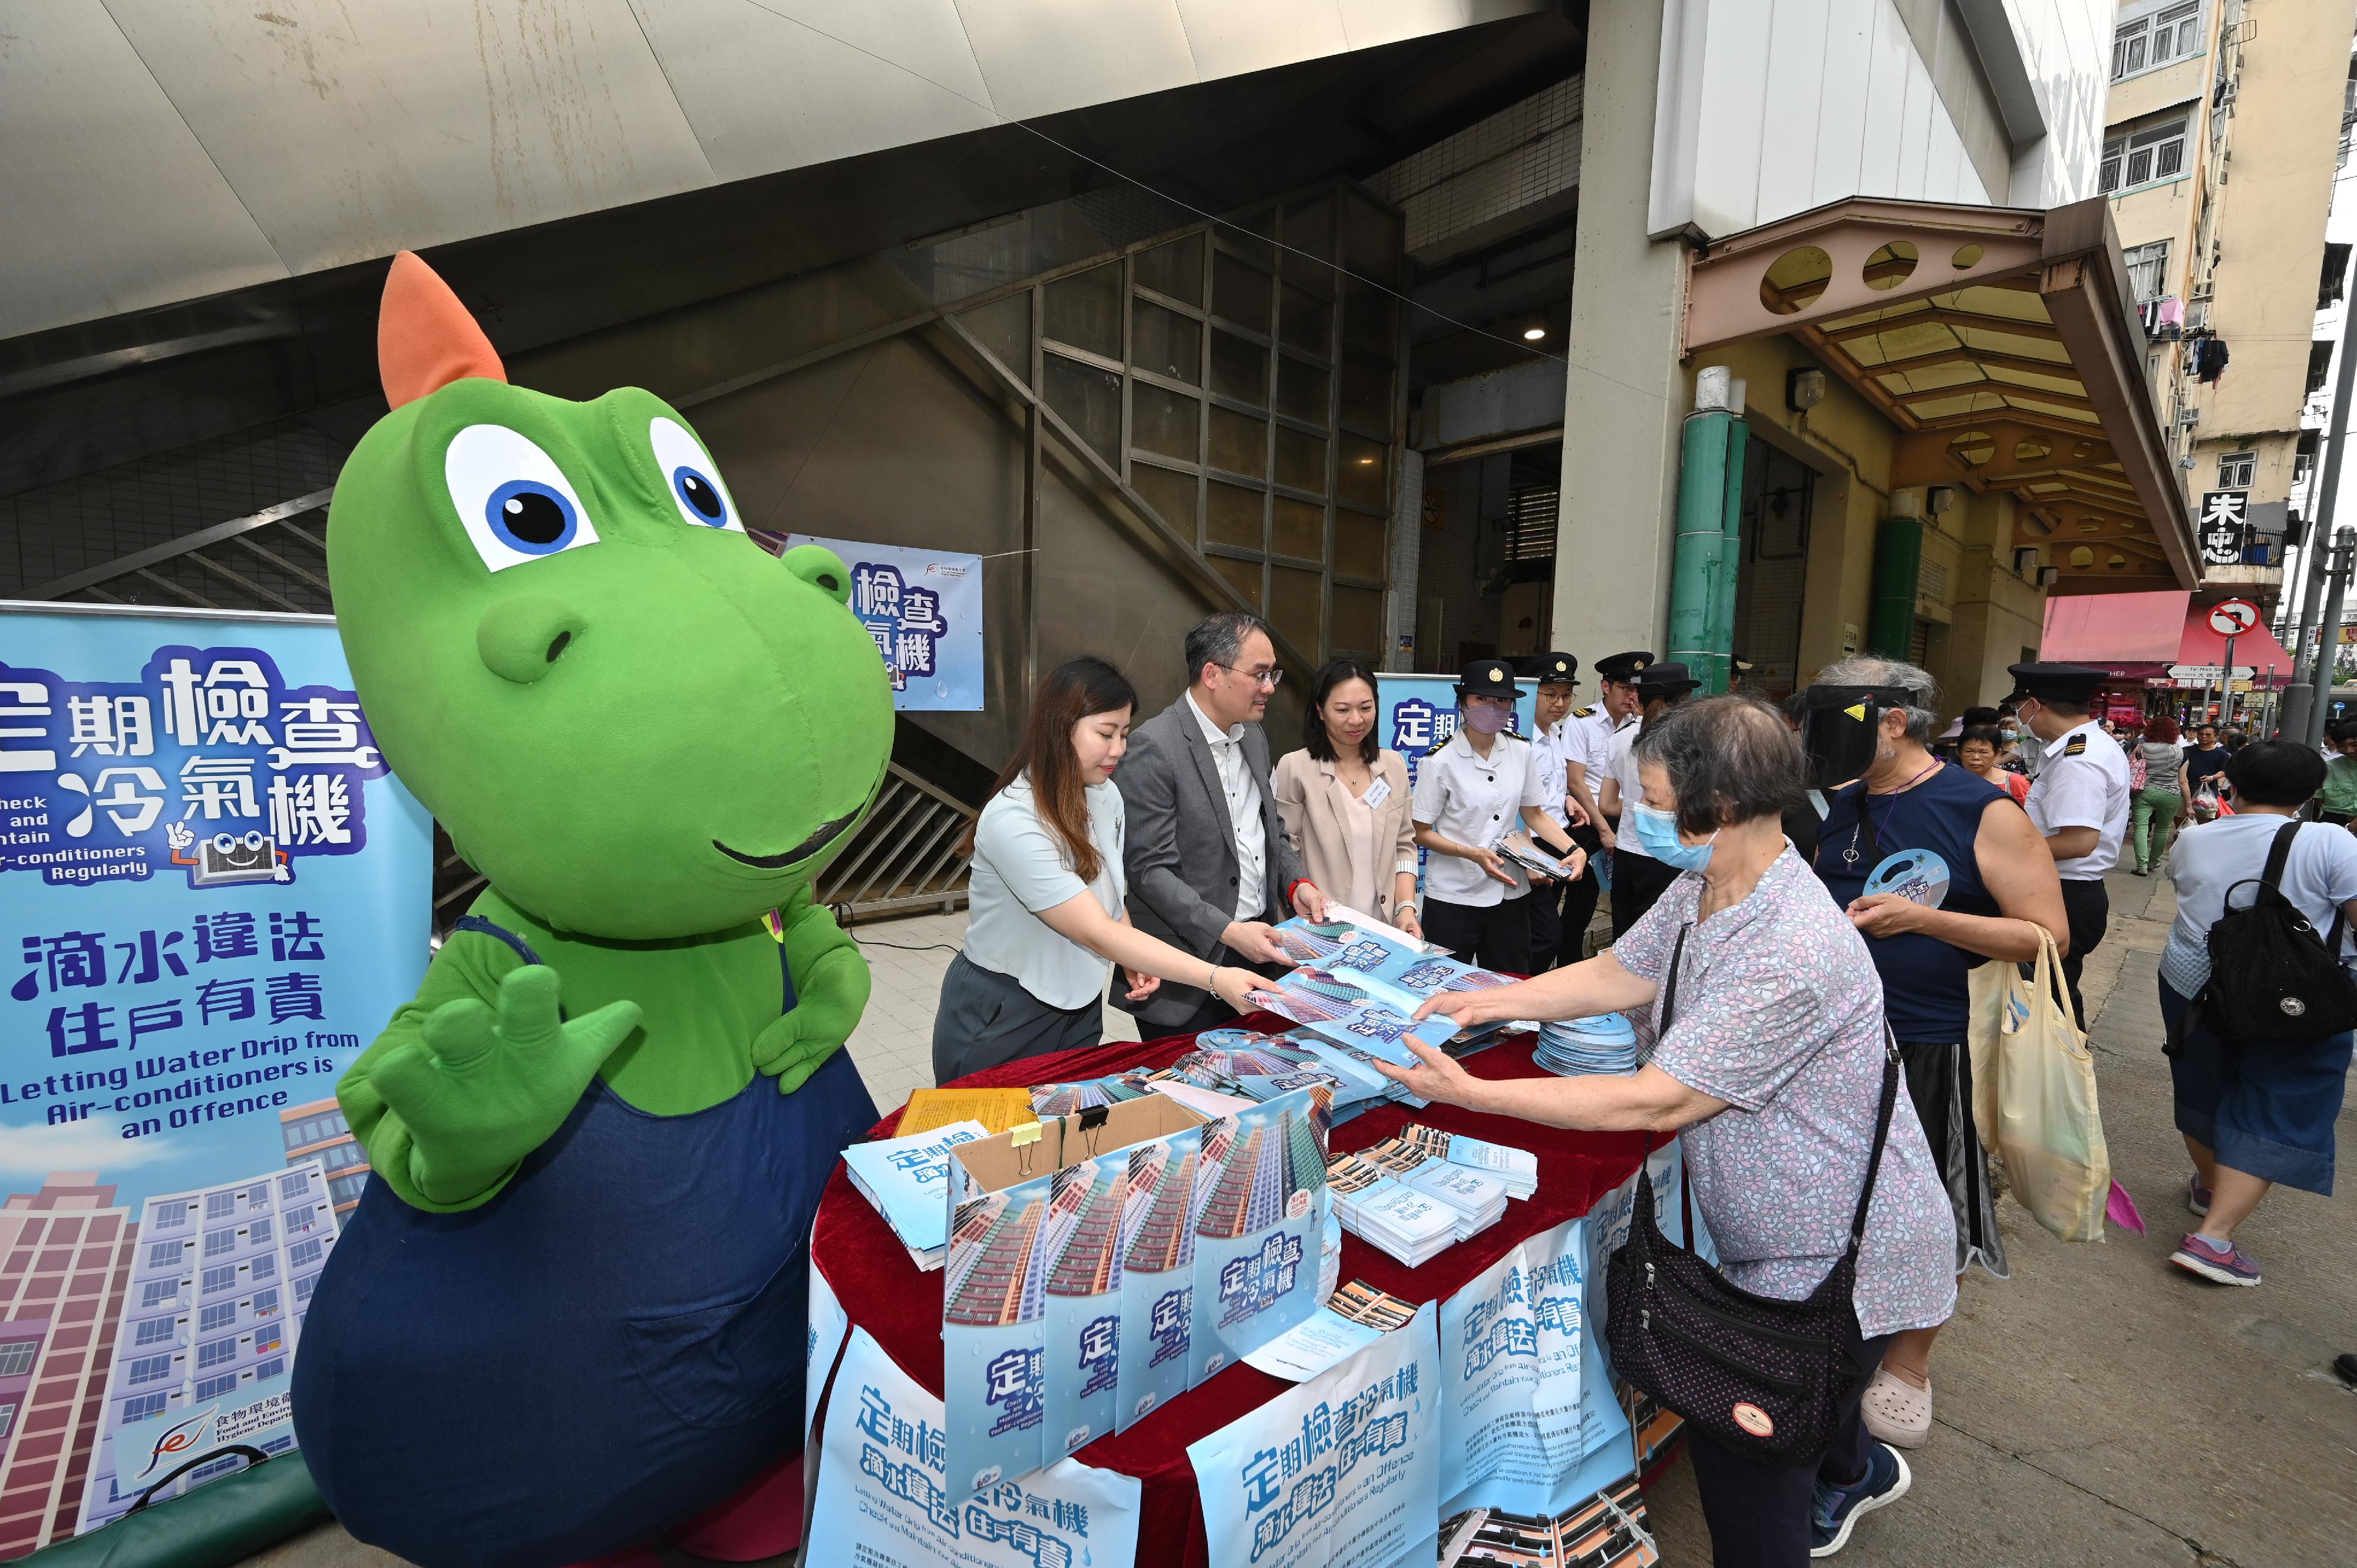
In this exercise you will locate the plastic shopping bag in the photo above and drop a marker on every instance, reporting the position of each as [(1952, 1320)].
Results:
[(2034, 1095)]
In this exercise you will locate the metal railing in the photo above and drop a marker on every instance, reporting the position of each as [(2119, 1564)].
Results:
[(264, 561), (906, 855)]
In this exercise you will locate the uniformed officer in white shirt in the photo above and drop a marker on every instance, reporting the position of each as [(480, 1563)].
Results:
[(2079, 799), (1560, 913), (1471, 793), (1638, 879), (1588, 733)]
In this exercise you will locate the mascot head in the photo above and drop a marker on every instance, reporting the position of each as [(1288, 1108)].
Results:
[(635, 721)]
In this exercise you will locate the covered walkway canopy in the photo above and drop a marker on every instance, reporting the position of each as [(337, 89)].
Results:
[(2000, 341), (2139, 636)]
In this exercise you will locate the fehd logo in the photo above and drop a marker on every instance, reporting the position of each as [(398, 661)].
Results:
[(176, 1442)]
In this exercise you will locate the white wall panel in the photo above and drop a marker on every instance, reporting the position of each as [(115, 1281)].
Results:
[(1369, 24), (1915, 129), (1842, 111), (1229, 37), (1942, 173), (1793, 125), (1043, 56), (1735, 100), (1890, 53)]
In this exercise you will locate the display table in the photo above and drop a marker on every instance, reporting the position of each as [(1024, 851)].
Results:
[(901, 1306)]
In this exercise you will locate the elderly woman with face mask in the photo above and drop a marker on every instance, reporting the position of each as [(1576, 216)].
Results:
[(1770, 1062)]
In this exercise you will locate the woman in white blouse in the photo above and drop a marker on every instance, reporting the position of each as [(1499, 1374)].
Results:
[(1045, 919), (1344, 801)]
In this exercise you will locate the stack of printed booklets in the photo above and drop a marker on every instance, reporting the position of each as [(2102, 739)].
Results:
[(907, 1180), (1412, 1194), (1360, 984), (1579, 1047), (1518, 849)]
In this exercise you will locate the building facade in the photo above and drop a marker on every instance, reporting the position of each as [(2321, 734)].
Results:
[(317, 1132), (65, 1259), (2222, 136)]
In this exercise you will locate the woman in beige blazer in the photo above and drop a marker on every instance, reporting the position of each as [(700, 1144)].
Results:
[(1344, 801)]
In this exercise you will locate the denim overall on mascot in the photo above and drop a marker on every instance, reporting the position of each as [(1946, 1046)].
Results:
[(569, 1314)]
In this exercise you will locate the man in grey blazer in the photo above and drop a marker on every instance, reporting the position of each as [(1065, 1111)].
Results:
[(1207, 861)]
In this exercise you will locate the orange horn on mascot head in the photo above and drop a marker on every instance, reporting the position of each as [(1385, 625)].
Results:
[(424, 338)]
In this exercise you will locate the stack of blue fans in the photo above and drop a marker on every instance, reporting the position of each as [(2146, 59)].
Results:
[(1606, 1043)]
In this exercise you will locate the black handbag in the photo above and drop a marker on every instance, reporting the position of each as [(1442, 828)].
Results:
[(1767, 1379)]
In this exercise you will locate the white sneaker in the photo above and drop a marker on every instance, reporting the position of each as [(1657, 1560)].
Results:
[(1896, 1411)]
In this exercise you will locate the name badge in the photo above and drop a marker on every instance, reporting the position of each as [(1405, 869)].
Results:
[(1377, 793)]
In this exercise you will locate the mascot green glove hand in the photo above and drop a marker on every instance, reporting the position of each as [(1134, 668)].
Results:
[(481, 1089), (834, 983)]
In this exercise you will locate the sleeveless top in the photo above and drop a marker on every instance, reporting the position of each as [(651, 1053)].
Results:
[(1926, 986)]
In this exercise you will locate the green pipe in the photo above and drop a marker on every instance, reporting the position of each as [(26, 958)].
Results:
[(1722, 640), (1898, 567), (1696, 568)]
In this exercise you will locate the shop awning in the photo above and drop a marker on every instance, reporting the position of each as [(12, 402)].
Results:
[(2138, 637), (2000, 341)]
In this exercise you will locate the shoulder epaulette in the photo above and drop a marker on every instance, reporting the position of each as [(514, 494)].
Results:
[(2078, 746), (1585, 712)]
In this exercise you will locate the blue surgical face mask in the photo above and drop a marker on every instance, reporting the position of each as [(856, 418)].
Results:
[(1657, 831)]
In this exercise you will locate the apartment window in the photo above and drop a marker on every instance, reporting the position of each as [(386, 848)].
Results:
[(2142, 156), (16, 1357), (214, 1352), (171, 1216), (268, 1342), (348, 1188), (2235, 468), (266, 1265), (140, 1407), (217, 1316), (266, 1302), (219, 1242), (213, 1389), (303, 1289), (151, 1370), (2157, 38), (220, 1205), (221, 1279), (154, 1331), (2147, 269), (155, 1293), (274, 1367), (302, 1254), (258, 1230), (258, 1196), (293, 1185), (164, 1255), (7, 1420)]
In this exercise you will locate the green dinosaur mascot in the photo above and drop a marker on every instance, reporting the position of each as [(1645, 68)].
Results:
[(569, 1313)]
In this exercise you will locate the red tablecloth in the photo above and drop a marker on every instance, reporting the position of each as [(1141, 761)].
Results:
[(901, 1306)]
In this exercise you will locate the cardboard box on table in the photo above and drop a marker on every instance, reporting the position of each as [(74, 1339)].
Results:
[(1056, 1269)]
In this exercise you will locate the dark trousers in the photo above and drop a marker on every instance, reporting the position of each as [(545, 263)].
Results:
[(1760, 1514), (986, 1019), (1560, 916), (1495, 936), (1637, 881), (2088, 907)]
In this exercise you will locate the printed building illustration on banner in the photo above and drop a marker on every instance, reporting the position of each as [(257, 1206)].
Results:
[(317, 1132), (1157, 1263), (219, 1282), (994, 1329), (65, 1260)]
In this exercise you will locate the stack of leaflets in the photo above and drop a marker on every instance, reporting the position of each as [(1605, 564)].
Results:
[(1088, 1093), (1517, 1168), (1519, 850), (1609, 1530), (1361, 984), (1605, 1044), (1388, 1214), (1475, 1199), (1355, 1066), (908, 1181)]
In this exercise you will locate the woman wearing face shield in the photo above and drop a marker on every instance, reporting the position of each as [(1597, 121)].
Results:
[(1770, 1061), (1985, 893)]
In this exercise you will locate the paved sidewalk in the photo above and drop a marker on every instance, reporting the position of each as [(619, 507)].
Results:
[(2105, 1408)]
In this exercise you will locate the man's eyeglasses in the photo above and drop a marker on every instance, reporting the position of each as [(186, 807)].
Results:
[(1270, 678)]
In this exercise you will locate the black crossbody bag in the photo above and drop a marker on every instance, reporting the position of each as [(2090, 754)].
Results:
[(1767, 1379)]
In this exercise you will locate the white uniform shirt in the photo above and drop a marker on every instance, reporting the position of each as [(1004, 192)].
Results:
[(2082, 782), (1474, 802), (1621, 765), (1552, 750), (1588, 738), (1244, 814)]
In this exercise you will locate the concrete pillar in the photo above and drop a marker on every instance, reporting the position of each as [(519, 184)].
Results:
[(1405, 564), (1626, 391)]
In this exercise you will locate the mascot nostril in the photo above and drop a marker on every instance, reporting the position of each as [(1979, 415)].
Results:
[(519, 637), (599, 1133)]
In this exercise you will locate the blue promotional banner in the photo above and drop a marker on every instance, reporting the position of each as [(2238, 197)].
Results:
[(213, 896), (923, 607)]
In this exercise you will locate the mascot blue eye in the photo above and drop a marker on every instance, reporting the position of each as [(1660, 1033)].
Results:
[(700, 495), (534, 518)]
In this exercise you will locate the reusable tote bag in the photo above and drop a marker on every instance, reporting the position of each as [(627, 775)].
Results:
[(2034, 1094)]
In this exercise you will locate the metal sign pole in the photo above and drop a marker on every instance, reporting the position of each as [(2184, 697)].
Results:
[(2226, 702)]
